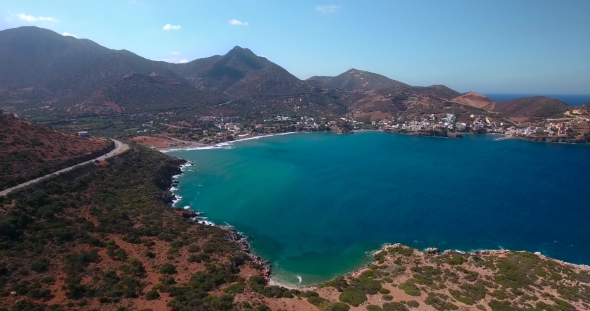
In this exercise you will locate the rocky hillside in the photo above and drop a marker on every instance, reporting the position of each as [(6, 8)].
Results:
[(28, 151), (241, 74), (42, 72), (39, 66), (476, 100), (138, 92), (358, 80), (531, 107)]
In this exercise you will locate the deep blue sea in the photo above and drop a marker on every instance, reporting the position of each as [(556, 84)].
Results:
[(570, 99), (316, 204)]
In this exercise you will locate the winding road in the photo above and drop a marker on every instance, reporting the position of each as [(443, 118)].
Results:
[(119, 148)]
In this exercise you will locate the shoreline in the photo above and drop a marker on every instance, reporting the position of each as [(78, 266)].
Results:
[(224, 144), (265, 266), (457, 135)]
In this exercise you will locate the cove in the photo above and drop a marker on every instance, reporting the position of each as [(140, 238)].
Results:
[(317, 204)]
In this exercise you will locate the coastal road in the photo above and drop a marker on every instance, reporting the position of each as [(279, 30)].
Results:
[(119, 148)]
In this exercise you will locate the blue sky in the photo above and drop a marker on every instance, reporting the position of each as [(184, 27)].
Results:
[(489, 46)]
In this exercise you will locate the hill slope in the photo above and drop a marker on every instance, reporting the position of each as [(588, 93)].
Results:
[(476, 100), (358, 80), (139, 92), (531, 107), (28, 151)]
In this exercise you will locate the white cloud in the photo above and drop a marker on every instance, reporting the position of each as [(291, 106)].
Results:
[(174, 53), (31, 18), (327, 8), (236, 22), (174, 60), (67, 34), (170, 27)]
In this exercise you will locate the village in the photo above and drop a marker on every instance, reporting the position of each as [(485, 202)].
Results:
[(173, 130)]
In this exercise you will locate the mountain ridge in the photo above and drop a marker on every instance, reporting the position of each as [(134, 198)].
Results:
[(358, 80), (45, 73)]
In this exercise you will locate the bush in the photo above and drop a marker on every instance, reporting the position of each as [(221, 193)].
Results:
[(384, 291), (353, 296), (168, 269), (193, 248), (374, 308), (394, 306), (439, 302), (40, 265), (152, 295), (237, 288), (413, 304), (409, 287), (407, 252), (339, 306), (316, 300)]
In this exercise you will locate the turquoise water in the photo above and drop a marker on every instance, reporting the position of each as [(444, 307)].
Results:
[(315, 204)]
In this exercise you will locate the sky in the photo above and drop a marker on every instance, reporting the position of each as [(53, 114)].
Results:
[(488, 46)]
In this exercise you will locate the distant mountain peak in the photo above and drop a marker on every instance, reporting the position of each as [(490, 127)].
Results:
[(358, 80)]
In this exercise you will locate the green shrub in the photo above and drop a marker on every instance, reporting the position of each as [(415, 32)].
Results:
[(168, 268), (40, 265), (413, 304), (387, 297), (316, 300), (374, 308), (339, 306), (152, 295), (353, 296), (193, 248), (401, 251), (339, 283), (409, 287), (384, 291), (501, 305), (439, 302), (237, 288)]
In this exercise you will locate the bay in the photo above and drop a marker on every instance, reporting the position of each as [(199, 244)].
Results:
[(317, 204)]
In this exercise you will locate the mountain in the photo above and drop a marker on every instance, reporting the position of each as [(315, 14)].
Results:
[(476, 100), (439, 91), (357, 80), (241, 73), (531, 107), (40, 68), (62, 66), (28, 151), (138, 92)]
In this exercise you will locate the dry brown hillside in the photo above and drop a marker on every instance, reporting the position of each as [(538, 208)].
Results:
[(28, 150), (476, 100), (531, 107)]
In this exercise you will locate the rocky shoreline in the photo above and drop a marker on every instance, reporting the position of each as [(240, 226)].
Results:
[(433, 251), (233, 235)]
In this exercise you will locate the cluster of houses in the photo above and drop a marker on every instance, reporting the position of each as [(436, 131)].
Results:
[(561, 129), (478, 124), (447, 121)]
